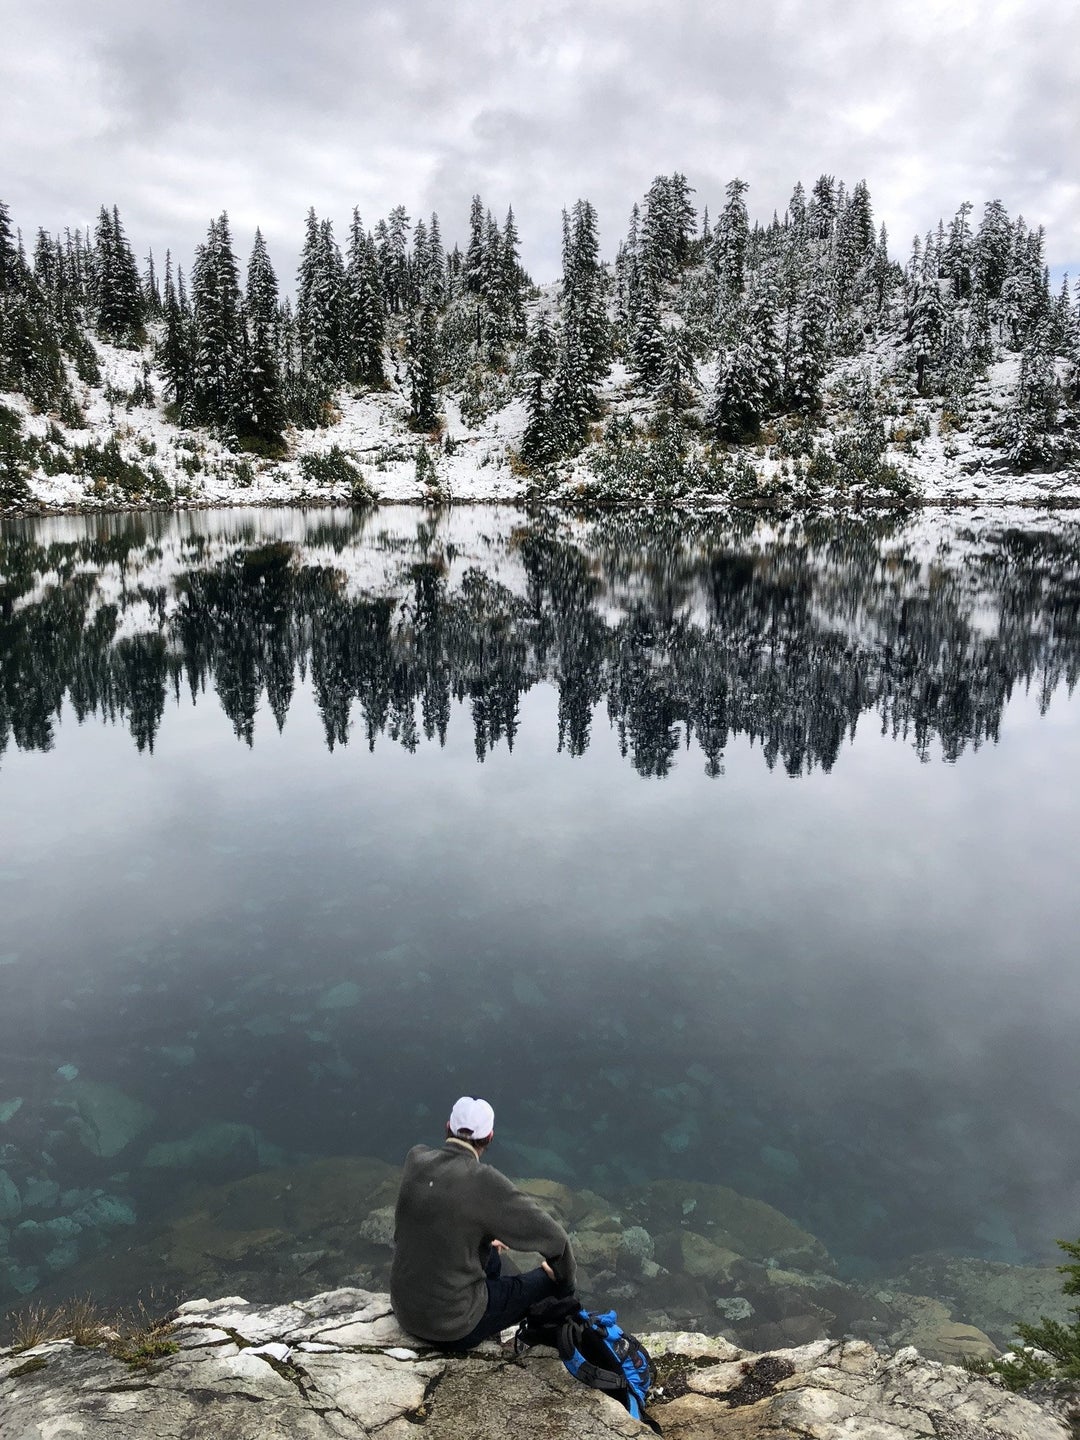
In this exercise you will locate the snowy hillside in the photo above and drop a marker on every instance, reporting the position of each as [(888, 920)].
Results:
[(789, 366)]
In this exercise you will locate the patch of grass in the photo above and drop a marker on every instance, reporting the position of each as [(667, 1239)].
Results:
[(82, 1319), (33, 1326), (137, 1337), (140, 1338)]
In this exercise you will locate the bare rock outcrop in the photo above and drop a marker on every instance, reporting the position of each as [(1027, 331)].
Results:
[(337, 1365)]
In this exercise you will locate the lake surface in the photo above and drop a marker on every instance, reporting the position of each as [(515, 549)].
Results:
[(740, 852)]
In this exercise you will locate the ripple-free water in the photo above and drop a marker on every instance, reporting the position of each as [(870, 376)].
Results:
[(741, 852)]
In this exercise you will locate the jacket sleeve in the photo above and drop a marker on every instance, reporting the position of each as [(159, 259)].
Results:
[(519, 1222)]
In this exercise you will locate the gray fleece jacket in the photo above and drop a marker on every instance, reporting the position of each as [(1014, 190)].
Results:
[(449, 1209)]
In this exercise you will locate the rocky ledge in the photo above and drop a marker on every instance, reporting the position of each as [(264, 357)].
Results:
[(337, 1365)]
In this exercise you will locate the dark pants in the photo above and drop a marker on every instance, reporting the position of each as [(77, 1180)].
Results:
[(509, 1297)]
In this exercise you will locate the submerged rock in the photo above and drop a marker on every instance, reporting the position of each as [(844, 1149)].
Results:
[(337, 1365), (40, 1193), (340, 997), (216, 1140), (107, 1120), (697, 1255), (178, 1054), (750, 1228), (378, 1228), (23, 1279), (10, 1197), (992, 1294), (104, 1212)]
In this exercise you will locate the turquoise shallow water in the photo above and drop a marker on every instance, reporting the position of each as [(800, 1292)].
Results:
[(743, 855)]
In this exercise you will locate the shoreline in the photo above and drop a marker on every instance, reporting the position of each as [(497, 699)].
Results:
[(564, 507)]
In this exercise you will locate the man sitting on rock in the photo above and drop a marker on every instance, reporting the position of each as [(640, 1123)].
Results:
[(454, 1215)]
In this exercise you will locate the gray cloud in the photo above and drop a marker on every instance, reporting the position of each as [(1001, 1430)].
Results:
[(175, 113)]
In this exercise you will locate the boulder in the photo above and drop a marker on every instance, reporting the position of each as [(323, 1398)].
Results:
[(989, 1294), (596, 1249), (216, 1140), (10, 1197), (106, 1120), (551, 1195), (927, 1324), (378, 1228), (730, 1220), (703, 1259)]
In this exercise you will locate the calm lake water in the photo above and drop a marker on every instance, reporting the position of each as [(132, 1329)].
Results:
[(728, 851)]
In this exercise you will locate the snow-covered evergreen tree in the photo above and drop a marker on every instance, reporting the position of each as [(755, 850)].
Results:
[(730, 241), (263, 405), (174, 353), (473, 265), (8, 251), (217, 343), (538, 444), (422, 358), (763, 344), (926, 317), (808, 353), (957, 254), (822, 207), (855, 240), (320, 297), (992, 250), (587, 341), (364, 312), (735, 410), (647, 350), (514, 278), (678, 383), (571, 395), (121, 308), (1031, 419)]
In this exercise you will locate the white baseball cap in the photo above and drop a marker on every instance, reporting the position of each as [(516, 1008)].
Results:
[(475, 1119)]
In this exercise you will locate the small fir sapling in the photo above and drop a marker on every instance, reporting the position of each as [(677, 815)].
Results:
[(1050, 1350)]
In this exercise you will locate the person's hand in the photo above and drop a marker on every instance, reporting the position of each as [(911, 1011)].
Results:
[(548, 1271), (498, 1245)]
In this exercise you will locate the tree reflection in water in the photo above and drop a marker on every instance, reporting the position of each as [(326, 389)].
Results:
[(690, 631)]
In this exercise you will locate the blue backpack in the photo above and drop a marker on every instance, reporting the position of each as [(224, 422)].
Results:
[(595, 1349)]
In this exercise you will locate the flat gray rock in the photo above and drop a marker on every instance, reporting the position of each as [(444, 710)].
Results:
[(341, 1367)]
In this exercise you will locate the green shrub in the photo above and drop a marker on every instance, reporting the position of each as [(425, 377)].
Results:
[(336, 468), (107, 469), (1049, 1350), (629, 466), (262, 447), (426, 474), (332, 467), (17, 454)]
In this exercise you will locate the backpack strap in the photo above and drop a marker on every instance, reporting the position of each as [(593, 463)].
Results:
[(614, 1382)]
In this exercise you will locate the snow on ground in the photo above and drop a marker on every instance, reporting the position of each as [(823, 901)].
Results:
[(476, 463)]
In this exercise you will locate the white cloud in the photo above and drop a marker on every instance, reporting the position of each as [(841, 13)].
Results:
[(174, 113)]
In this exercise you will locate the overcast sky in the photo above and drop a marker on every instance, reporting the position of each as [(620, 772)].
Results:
[(177, 111)]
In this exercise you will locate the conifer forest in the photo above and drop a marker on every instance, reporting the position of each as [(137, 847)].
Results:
[(709, 360)]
